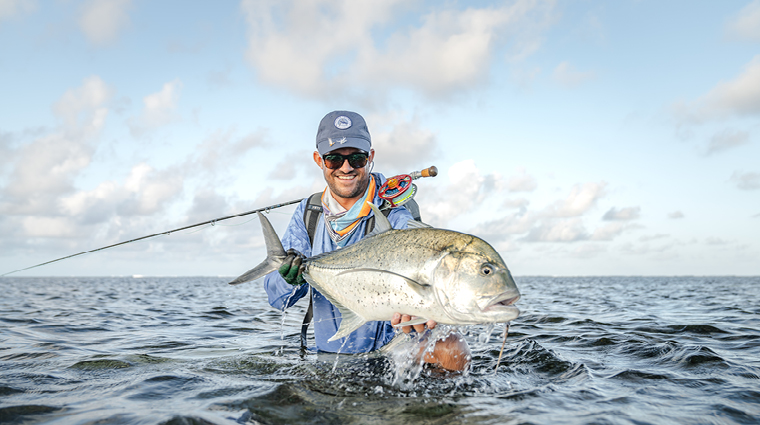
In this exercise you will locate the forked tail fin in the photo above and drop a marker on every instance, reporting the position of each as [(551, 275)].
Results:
[(275, 254)]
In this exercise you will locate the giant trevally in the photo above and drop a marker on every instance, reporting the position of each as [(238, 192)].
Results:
[(433, 274)]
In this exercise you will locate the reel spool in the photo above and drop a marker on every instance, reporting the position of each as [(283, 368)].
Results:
[(398, 190)]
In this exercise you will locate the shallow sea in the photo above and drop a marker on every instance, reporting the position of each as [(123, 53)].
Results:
[(614, 350)]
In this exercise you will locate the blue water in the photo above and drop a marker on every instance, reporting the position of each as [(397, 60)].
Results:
[(598, 350)]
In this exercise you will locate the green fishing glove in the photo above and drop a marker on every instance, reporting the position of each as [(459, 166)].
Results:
[(292, 268)]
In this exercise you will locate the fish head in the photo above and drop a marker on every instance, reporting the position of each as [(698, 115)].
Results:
[(474, 285)]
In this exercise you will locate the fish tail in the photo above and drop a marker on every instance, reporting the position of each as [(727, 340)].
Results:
[(275, 254)]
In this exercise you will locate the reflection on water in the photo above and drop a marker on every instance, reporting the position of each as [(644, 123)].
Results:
[(195, 350)]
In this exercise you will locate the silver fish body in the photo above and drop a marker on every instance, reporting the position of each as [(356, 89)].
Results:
[(433, 274)]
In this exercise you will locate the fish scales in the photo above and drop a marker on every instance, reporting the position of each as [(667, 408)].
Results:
[(434, 274)]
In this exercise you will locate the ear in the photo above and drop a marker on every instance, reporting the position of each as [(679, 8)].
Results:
[(318, 159), (371, 155)]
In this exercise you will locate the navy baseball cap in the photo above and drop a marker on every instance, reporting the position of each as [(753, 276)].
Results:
[(343, 129)]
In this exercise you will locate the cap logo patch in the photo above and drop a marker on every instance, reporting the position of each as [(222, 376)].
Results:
[(342, 122)]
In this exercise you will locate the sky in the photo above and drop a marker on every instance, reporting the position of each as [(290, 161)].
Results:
[(578, 138)]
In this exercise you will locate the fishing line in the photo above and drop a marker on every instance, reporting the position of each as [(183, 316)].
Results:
[(506, 331), (166, 233)]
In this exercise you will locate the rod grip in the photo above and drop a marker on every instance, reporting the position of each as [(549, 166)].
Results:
[(432, 171)]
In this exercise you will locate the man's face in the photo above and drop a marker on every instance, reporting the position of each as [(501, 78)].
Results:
[(346, 182)]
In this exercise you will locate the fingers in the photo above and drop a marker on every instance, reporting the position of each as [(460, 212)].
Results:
[(401, 318), (293, 272)]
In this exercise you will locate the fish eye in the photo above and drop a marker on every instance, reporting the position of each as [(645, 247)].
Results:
[(487, 269)]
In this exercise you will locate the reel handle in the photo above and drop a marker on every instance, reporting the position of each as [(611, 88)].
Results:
[(431, 171)]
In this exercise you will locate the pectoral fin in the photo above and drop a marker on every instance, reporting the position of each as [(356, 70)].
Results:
[(420, 288), (350, 321)]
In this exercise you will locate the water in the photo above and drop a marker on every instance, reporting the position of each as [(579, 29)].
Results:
[(196, 351)]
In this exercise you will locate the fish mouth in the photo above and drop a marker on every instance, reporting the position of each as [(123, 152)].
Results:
[(502, 300)]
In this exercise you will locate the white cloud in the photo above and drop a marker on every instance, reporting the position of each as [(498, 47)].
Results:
[(553, 230), (727, 139), (522, 182), (734, 98), (566, 75), (746, 181), (609, 231), (716, 241), (46, 167), (516, 203), (102, 20), (84, 103), (581, 199), (648, 238), (623, 214), (746, 24), (12, 8), (320, 47), (676, 215), (158, 109), (471, 187), (407, 147)]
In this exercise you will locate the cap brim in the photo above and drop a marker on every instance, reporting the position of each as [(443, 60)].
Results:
[(329, 145)]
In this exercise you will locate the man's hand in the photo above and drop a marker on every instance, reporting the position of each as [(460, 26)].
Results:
[(292, 268), (400, 318)]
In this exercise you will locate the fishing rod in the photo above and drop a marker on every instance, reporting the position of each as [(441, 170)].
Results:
[(396, 191), (166, 233)]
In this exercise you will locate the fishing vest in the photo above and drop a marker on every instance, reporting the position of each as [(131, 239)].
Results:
[(311, 215)]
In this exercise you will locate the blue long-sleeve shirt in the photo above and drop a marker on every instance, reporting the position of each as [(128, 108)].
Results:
[(372, 335)]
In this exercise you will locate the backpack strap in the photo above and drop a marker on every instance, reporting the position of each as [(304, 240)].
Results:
[(311, 215)]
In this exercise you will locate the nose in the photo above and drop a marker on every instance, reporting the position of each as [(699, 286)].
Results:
[(346, 167)]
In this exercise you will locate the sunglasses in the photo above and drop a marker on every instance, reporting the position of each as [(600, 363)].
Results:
[(334, 161)]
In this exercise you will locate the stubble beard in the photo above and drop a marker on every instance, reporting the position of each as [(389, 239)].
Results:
[(359, 189)]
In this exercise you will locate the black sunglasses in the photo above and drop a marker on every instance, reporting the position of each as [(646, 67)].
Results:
[(334, 161)]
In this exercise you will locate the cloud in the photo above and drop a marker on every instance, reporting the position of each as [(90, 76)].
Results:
[(716, 241), (735, 98), (102, 20), (144, 192), (567, 76), (222, 149), (569, 230), (746, 24), (726, 140), (158, 109), (339, 47), (581, 199), (471, 187), (676, 215), (648, 238), (561, 221), (405, 148), (610, 231), (522, 182), (12, 8), (746, 181), (516, 203), (624, 214), (46, 167)]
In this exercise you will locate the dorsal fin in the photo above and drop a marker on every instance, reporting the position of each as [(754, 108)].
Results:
[(414, 224), (381, 221)]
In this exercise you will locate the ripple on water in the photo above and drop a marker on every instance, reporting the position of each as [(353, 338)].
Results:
[(25, 413)]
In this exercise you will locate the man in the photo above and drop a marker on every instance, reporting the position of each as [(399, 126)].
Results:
[(344, 153)]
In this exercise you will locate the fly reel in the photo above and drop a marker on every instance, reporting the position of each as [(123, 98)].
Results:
[(398, 190)]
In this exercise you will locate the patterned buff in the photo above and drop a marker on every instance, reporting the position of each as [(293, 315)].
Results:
[(341, 224)]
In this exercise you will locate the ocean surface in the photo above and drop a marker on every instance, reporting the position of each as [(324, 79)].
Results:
[(193, 350)]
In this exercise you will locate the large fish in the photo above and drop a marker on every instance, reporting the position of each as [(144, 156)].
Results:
[(450, 277)]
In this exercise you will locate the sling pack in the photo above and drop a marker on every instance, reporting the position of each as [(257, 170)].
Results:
[(311, 215)]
